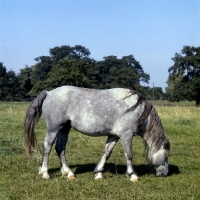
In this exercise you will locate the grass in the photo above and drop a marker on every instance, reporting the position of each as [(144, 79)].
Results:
[(19, 177), (168, 103)]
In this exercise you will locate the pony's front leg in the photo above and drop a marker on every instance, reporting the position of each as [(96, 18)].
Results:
[(110, 143), (48, 142), (127, 146), (61, 141)]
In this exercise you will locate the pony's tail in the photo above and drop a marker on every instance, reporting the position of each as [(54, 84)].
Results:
[(32, 116)]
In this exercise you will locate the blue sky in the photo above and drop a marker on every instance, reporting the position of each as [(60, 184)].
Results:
[(150, 30)]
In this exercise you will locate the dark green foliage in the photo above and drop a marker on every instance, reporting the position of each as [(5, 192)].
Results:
[(24, 79), (184, 76), (41, 69), (12, 86), (154, 93), (125, 72), (69, 72), (73, 66), (9, 86), (68, 65), (77, 52), (2, 81)]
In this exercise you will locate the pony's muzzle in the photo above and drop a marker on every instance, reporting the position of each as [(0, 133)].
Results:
[(161, 174), (161, 170)]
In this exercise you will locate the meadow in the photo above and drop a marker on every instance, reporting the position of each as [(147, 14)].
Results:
[(19, 177)]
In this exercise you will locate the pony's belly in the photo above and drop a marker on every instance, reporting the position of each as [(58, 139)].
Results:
[(93, 130)]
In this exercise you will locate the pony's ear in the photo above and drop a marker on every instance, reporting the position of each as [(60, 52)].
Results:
[(167, 144)]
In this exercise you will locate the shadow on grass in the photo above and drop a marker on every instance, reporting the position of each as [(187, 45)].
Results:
[(140, 170)]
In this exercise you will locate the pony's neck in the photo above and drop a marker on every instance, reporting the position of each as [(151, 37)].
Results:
[(153, 133)]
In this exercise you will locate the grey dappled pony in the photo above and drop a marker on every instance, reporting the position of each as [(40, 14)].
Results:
[(117, 113)]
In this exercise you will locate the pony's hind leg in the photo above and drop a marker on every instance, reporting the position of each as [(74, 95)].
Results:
[(61, 142), (48, 142), (110, 143)]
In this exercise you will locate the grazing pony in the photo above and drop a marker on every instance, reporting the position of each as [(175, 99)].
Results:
[(117, 113)]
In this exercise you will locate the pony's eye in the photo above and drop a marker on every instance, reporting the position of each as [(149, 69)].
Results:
[(167, 145)]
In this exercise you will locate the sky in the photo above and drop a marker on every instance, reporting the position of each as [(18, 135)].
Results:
[(150, 30)]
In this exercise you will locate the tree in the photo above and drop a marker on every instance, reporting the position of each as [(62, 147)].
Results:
[(174, 84), (68, 65), (107, 72), (69, 72), (184, 75), (8, 84), (2, 81), (154, 93), (41, 69), (124, 72), (24, 79), (138, 74), (77, 52), (11, 86), (44, 63)]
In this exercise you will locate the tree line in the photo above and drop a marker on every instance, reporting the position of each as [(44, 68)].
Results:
[(184, 76), (68, 65)]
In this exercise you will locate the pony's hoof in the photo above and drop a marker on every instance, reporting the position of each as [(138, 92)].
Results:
[(71, 177), (133, 178), (98, 176), (44, 173), (45, 176)]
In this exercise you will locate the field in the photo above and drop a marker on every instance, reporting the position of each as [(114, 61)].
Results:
[(19, 177)]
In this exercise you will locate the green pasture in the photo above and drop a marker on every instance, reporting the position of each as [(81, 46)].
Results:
[(19, 177)]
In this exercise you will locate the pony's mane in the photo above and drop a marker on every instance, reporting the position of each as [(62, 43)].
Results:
[(154, 133), (155, 128), (141, 99)]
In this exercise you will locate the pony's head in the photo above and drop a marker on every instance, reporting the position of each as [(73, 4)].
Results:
[(159, 160), (156, 141)]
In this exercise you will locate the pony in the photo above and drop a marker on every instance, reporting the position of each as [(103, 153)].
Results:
[(117, 113)]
